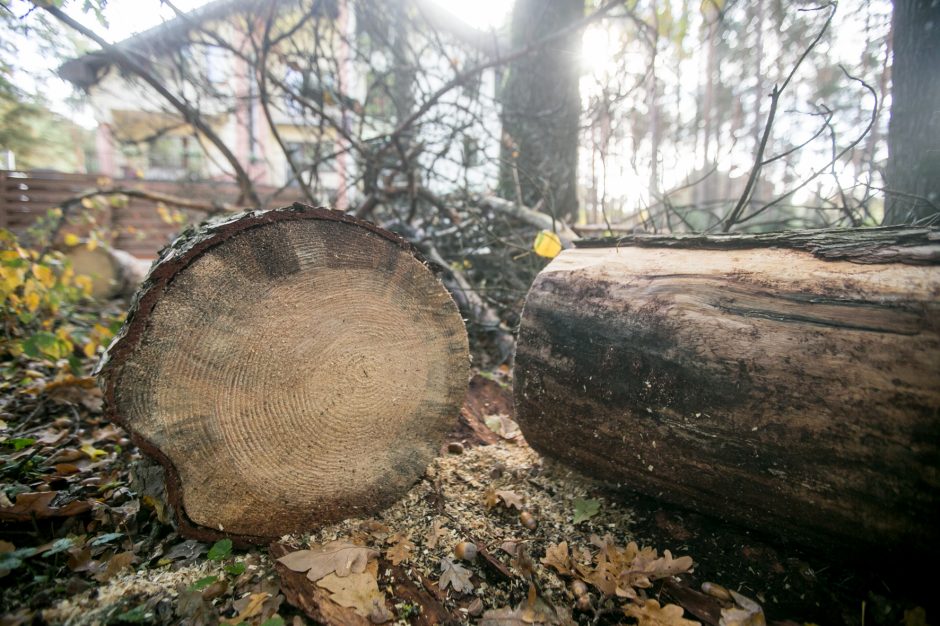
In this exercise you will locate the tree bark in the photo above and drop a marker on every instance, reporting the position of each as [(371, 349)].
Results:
[(289, 368), (792, 388), (913, 171), (540, 110)]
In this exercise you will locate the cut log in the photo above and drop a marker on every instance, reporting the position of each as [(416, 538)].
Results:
[(289, 368), (791, 385), (113, 273)]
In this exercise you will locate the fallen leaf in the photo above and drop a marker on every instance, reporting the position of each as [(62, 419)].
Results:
[(510, 499), (585, 509), (251, 606), (37, 504), (401, 551), (375, 528), (746, 612), (434, 535), (116, 563), (651, 614), (93, 452), (359, 592), (338, 556), (502, 425), (220, 550), (457, 576), (557, 556)]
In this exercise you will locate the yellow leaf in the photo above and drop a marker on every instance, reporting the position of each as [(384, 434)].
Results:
[(92, 244), (88, 203), (93, 452), (547, 244), (32, 302), (84, 283), (71, 239), (44, 275), (90, 349), (164, 214)]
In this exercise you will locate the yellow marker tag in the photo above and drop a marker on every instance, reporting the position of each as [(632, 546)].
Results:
[(547, 244)]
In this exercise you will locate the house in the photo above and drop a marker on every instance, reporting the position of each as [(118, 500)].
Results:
[(302, 117)]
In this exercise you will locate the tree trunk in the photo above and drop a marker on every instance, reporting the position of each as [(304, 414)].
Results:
[(785, 382), (289, 368), (913, 172), (113, 273), (540, 110)]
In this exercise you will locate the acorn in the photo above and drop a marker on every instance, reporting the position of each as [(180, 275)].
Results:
[(475, 608), (528, 520), (455, 447), (466, 551), (579, 588), (717, 591), (584, 603)]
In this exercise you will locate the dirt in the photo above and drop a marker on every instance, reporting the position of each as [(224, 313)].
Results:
[(456, 502)]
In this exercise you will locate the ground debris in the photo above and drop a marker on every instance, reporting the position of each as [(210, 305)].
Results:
[(551, 547)]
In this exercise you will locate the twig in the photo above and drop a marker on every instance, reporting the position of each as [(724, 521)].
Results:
[(871, 122), (774, 100)]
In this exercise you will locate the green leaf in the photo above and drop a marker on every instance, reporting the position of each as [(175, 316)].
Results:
[(202, 583), (235, 569), (274, 621), (59, 545), (220, 550), (103, 539), (12, 560), (19, 443), (585, 509)]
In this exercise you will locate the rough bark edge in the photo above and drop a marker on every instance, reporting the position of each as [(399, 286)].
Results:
[(886, 244), (175, 257)]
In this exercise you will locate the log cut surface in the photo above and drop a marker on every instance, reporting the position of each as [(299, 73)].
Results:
[(796, 395), (289, 368)]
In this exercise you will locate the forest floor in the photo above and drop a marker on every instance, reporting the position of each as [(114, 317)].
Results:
[(81, 543)]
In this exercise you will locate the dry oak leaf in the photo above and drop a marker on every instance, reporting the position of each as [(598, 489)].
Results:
[(434, 535), (337, 556), (510, 499), (456, 576), (557, 556), (401, 551), (646, 567), (37, 504), (651, 614), (116, 563), (359, 592)]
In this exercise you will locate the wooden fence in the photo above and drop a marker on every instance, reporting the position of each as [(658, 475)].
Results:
[(138, 227)]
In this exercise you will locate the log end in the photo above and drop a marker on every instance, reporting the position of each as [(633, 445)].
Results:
[(290, 369)]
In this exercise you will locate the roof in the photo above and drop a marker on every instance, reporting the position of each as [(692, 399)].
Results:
[(86, 70)]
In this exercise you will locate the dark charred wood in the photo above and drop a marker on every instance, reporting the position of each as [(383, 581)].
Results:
[(766, 386)]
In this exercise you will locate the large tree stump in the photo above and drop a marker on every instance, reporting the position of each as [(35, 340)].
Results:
[(288, 368), (790, 382)]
